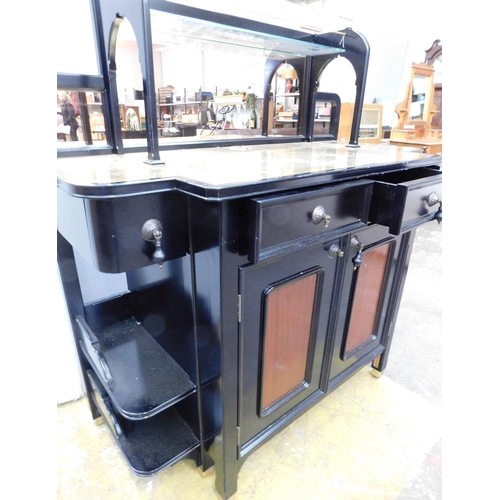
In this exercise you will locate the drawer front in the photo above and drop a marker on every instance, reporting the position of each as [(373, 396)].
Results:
[(404, 200), (282, 223), (115, 229)]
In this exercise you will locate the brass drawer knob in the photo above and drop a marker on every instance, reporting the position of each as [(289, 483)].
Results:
[(432, 199), (152, 231), (319, 215), (335, 251)]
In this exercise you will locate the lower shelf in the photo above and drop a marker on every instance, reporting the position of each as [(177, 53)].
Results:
[(149, 445), (139, 376)]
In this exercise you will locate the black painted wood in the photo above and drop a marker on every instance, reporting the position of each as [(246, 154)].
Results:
[(139, 376), (151, 445), (400, 199), (209, 298), (202, 316)]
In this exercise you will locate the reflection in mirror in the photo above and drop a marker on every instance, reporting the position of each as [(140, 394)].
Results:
[(438, 69), (203, 75), (286, 93), (204, 82), (131, 120), (129, 85), (419, 90), (338, 76), (434, 58), (208, 86), (80, 119)]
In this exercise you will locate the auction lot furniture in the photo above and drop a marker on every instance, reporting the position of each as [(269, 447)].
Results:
[(217, 293)]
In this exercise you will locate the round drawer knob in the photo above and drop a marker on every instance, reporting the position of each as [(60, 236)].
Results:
[(319, 215), (152, 231), (432, 199), (335, 251)]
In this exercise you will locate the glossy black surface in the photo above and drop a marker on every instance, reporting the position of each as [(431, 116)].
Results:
[(108, 231), (278, 223), (205, 307), (341, 365), (254, 280), (145, 379), (150, 445), (400, 199)]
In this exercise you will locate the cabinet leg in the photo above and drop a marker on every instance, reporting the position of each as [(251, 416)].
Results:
[(207, 464), (226, 471), (207, 472), (377, 370), (99, 421)]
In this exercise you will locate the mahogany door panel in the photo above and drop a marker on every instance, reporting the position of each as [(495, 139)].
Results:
[(288, 334), (366, 297)]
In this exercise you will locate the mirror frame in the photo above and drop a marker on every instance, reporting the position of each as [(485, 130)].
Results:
[(403, 108)]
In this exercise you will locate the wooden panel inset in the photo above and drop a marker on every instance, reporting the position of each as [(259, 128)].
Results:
[(287, 332), (367, 296)]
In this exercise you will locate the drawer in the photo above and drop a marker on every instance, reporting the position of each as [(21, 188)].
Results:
[(288, 221), (400, 200), (107, 232), (116, 229)]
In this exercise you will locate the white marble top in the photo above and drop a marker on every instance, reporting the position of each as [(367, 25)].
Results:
[(232, 166)]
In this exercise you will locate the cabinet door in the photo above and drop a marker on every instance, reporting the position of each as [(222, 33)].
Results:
[(285, 309), (359, 329)]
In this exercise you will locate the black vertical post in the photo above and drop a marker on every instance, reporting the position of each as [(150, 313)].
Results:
[(84, 117), (111, 15), (147, 64), (105, 28)]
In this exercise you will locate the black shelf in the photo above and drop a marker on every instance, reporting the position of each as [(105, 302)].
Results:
[(151, 445), (139, 376)]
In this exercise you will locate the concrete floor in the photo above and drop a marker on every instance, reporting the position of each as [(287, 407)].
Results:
[(377, 439)]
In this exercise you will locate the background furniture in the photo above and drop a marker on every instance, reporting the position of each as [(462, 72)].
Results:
[(370, 129), (434, 58), (418, 124)]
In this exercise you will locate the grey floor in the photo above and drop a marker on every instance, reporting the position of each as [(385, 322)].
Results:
[(370, 439), (416, 353)]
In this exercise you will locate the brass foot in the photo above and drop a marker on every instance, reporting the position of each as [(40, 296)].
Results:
[(207, 472), (376, 373), (99, 420)]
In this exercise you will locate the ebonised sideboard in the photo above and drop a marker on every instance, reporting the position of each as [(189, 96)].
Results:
[(216, 297)]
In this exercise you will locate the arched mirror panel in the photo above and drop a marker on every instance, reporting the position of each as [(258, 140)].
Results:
[(338, 77)]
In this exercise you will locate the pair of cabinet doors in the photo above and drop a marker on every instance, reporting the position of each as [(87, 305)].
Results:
[(306, 318)]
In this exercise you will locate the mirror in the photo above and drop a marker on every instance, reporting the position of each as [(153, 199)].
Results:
[(285, 87), (419, 90), (417, 109), (415, 113)]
